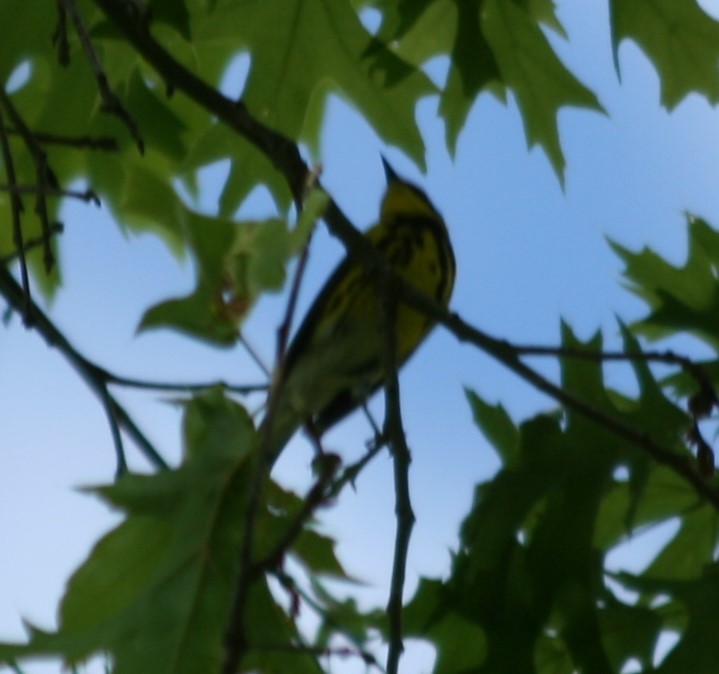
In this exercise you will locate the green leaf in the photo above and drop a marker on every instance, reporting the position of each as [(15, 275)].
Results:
[(302, 50), (627, 507), (236, 261), (21, 42), (527, 583), (686, 555), (157, 121), (697, 650), (680, 298), (318, 553), (201, 314), (343, 616), (214, 423), (248, 168), (629, 632), (529, 66), (172, 13), (420, 29), (461, 644), (474, 68), (497, 426), (494, 45), (155, 592), (147, 202), (679, 37)]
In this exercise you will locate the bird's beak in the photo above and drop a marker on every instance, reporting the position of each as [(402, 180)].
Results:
[(389, 171)]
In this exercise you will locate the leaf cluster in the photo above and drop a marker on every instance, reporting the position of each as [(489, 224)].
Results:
[(530, 588)]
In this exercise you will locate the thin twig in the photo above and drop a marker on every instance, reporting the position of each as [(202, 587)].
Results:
[(669, 357), (315, 498), (320, 651), (16, 207), (394, 431), (235, 641), (111, 104), (15, 667), (44, 177), (291, 586), (55, 228), (700, 403), (349, 474), (180, 387), (88, 371), (138, 437), (503, 352), (283, 332), (235, 637), (86, 196), (105, 143), (112, 419), (283, 153), (59, 36), (254, 355)]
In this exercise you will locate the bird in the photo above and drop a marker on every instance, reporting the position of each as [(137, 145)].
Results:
[(336, 360)]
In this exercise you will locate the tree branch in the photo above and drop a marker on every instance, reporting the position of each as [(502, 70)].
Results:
[(505, 353), (669, 357), (44, 177), (16, 209), (314, 499), (86, 196), (395, 434), (286, 158), (56, 228), (280, 150), (94, 376), (104, 143)]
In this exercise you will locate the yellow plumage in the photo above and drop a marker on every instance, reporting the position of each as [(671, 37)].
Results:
[(336, 360)]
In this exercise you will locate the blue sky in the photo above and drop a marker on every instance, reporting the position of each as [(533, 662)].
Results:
[(529, 254)]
